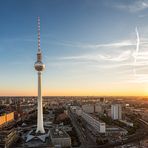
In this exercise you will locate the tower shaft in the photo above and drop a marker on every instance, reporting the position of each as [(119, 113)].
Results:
[(40, 127)]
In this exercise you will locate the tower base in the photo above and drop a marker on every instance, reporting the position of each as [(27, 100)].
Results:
[(40, 130), (41, 136)]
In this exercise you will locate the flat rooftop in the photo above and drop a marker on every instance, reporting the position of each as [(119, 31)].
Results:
[(57, 133)]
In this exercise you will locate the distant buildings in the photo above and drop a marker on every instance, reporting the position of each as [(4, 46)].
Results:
[(92, 108), (102, 99), (60, 138), (116, 111)]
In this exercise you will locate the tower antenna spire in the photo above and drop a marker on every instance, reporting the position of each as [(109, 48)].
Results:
[(39, 47)]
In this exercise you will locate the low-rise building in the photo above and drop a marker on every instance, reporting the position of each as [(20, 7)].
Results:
[(60, 138), (116, 130), (8, 137), (127, 123)]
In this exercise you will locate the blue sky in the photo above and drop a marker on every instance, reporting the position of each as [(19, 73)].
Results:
[(89, 47)]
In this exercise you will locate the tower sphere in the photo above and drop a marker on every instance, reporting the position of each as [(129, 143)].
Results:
[(39, 66)]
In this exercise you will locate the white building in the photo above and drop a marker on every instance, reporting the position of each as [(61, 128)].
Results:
[(96, 124), (116, 111)]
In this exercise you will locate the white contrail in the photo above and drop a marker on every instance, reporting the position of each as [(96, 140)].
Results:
[(137, 49)]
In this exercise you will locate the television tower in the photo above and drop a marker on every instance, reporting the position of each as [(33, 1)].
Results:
[(39, 67)]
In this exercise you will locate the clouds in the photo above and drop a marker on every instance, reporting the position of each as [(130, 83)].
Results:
[(117, 58), (124, 43), (132, 6), (124, 55), (108, 52)]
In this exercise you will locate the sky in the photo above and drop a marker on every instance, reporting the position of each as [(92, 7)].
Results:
[(90, 47)]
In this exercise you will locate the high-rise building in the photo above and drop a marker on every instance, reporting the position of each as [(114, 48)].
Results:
[(116, 111), (39, 67)]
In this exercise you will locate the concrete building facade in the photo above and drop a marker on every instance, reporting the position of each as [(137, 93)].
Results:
[(116, 111)]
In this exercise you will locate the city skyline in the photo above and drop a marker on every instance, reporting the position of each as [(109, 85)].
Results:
[(91, 47)]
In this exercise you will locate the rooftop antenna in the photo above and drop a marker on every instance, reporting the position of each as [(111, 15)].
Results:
[(39, 48)]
